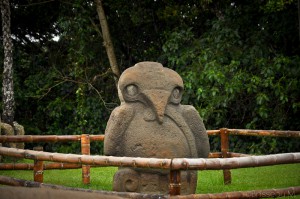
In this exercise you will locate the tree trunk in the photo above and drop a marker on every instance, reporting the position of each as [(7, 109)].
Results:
[(107, 41), (7, 83), (299, 19)]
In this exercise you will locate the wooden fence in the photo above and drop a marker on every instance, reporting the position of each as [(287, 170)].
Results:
[(85, 149), (224, 134), (67, 161), (173, 165), (38, 166)]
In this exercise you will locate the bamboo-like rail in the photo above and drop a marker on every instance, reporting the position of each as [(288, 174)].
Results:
[(229, 155), (250, 132), (174, 165), (47, 138), (29, 166), (56, 165), (68, 138), (265, 193), (88, 159), (235, 163), (269, 133), (156, 163), (213, 132), (224, 133)]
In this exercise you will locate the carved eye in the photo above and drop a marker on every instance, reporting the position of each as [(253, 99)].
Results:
[(176, 93), (131, 90)]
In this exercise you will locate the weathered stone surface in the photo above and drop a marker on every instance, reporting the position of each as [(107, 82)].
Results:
[(19, 130), (151, 122), (7, 129)]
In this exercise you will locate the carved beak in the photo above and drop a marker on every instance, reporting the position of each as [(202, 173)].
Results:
[(159, 100)]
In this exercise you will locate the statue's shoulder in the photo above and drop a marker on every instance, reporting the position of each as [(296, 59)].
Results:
[(189, 109), (122, 111)]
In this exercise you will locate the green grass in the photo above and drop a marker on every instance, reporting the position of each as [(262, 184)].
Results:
[(279, 176), (271, 177)]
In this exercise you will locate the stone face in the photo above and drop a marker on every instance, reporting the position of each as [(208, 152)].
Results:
[(151, 122)]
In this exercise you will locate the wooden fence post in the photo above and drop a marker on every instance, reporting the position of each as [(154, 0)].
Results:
[(38, 168), (174, 186), (224, 150), (85, 150)]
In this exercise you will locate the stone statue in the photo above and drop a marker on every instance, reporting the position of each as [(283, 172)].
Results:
[(151, 122)]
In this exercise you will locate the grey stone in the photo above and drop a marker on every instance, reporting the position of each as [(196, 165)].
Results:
[(7, 129), (151, 123), (19, 130)]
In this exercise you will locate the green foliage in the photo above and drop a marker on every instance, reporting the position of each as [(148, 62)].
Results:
[(225, 82), (62, 87), (277, 5), (239, 62), (235, 79)]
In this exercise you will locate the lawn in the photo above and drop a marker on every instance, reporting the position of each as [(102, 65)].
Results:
[(279, 176)]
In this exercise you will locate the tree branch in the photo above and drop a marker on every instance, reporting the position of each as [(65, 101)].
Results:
[(107, 41)]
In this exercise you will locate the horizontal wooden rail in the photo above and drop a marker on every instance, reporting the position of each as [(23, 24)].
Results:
[(229, 154), (87, 159), (68, 138), (265, 193), (213, 132), (215, 155), (29, 166), (234, 163), (224, 133), (47, 138), (270, 133), (237, 155), (56, 165), (60, 138), (97, 137), (177, 163)]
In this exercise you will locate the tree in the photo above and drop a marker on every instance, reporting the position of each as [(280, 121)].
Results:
[(7, 80), (242, 72), (238, 60), (107, 41)]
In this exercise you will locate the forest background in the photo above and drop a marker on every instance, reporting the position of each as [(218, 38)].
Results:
[(239, 61)]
